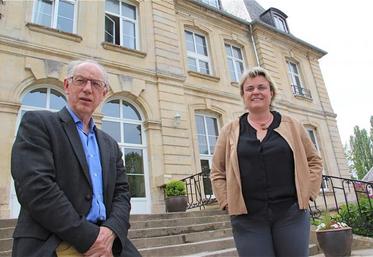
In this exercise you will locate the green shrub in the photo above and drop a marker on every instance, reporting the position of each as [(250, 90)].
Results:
[(175, 188), (360, 221)]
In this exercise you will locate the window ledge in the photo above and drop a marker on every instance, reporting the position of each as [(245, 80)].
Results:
[(203, 76), (124, 50), (234, 83), (302, 97), (54, 32)]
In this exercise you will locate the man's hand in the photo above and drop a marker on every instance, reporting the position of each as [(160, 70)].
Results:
[(102, 247)]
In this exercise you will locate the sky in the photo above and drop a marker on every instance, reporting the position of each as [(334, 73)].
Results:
[(344, 29)]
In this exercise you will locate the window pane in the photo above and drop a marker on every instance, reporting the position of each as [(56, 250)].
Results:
[(231, 69), (129, 34), (65, 19), (237, 53), (189, 41), (111, 109), (132, 133), (109, 29), (136, 185), (128, 11), (112, 6), (202, 145), (228, 50), (201, 45), (112, 128), (57, 100), (212, 127), (200, 125), (297, 81), (204, 67), (133, 161), (212, 142), (192, 65), (240, 68), (36, 98), (129, 112), (44, 13)]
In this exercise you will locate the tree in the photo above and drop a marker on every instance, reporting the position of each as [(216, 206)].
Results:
[(360, 154)]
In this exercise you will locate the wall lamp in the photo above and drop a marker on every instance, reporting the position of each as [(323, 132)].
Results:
[(177, 119)]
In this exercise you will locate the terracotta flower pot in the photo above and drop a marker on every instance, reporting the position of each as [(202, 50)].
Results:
[(176, 203), (335, 242)]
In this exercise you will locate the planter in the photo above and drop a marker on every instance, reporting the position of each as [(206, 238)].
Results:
[(335, 242), (176, 203)]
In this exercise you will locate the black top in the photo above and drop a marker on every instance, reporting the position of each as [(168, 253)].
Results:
[(266, 168)]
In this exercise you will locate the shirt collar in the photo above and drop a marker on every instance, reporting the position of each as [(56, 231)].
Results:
[(78, 121)]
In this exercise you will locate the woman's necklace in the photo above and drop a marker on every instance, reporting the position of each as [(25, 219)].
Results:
[(261, 125)]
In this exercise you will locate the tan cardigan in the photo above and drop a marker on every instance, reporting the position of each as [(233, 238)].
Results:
[(225, 173)]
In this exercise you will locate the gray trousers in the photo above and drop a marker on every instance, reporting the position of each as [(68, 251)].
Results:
[(272, 235)]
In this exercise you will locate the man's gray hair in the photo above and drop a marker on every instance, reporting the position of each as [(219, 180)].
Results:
[(73, 64)]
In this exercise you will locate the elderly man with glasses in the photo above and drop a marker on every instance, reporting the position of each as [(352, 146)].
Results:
[(69, 177)]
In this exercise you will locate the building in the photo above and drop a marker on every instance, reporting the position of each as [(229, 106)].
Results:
[(173, 68)]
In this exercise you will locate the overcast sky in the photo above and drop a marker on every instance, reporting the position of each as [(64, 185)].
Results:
[(344, 29)]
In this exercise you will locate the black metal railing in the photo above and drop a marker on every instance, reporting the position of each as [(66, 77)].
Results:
[(301, 91), (352, 197)]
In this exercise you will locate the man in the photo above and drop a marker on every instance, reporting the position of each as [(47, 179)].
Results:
[(69, 177)]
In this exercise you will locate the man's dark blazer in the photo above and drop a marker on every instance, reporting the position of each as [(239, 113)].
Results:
[(53, 186)]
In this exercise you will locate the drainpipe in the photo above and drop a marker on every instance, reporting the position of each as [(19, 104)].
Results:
[(254, 44)]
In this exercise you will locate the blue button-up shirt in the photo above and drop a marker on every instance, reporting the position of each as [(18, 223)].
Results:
[(92, 153)]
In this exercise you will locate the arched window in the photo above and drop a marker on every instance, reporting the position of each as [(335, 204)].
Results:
[(124, 123), (40, 98)]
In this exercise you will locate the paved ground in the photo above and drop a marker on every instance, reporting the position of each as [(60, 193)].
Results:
[(355, 253)]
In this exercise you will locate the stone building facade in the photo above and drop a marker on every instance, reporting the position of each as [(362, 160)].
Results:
[(173, 69)]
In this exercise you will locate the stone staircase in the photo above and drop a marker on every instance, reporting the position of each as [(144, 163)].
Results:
[(197, 233)]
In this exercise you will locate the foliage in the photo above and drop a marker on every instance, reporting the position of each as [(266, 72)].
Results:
[(361, 220), (329, 222), (175, 188), (360, 153)]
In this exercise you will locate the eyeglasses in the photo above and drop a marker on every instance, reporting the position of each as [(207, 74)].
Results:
[(82, 81), (261, 88)]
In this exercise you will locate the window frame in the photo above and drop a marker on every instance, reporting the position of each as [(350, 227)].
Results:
[(234, 59), (121, 21), (54, 14), (123, 145), (195, 55), (280, 23), (297, 89)]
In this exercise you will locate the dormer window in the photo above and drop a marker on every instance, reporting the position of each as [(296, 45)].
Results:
[(280, 23), (275, 18), (214, 3)]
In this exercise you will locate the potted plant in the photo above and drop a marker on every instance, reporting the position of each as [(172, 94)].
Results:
[(334, 237), (176, 200)]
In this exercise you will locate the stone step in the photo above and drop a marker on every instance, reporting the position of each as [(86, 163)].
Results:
[(181, 238), (174, 215), (6, 233), (7, 223), (190, 248), (166, 231), (230, 252), (6, 254), (6, 244), (174, 222)]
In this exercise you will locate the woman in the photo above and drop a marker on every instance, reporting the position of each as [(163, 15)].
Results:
[(265, 169)]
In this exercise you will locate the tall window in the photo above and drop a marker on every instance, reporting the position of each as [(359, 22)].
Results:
[(296, 82), (121, 24), (312, 134), (235, 61), (280, 23), (123, 122), (58, 14), (207, 134), (214, 3), (198, 58)]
